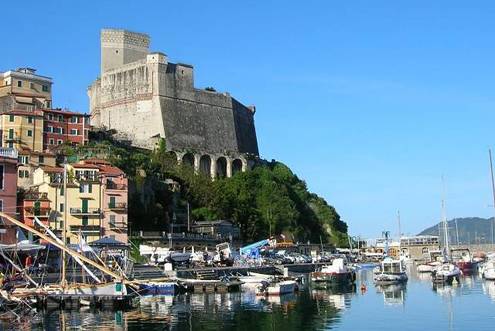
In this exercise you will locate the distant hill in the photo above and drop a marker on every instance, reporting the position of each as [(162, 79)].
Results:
[(472, 230)]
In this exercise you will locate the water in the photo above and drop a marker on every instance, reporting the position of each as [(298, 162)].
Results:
[(416, 306)]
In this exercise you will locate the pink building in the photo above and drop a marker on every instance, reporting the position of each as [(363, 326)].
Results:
[(114, 199), (8, 193)]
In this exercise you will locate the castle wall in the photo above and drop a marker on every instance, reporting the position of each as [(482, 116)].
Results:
[(144, 97)]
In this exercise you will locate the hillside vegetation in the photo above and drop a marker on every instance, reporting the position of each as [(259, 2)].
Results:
[(268, 200)]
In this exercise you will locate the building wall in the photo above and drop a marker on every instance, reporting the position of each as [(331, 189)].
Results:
[(27, 128), (115, 205), (8, 194), (57, 120)]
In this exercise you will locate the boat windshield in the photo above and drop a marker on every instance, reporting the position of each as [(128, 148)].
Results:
[(391, 268)]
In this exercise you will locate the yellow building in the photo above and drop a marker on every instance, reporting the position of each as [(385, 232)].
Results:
[(80, 205)]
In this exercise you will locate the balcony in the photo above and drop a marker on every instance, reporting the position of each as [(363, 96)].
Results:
[(39, 213), (117, 206), (85, 212), (8, 152), (90, 230), (87, 178), (116, 187), (13, 138)]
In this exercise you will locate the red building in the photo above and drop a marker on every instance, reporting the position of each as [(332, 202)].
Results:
[(62, 126), (35, 204), (8, 193)]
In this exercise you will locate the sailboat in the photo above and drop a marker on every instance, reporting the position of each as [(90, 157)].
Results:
[(447, 272)]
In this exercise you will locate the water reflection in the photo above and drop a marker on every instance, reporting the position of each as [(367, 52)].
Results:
[(309, 309), (393, 295)]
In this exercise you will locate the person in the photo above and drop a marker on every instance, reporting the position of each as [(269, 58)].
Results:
[(28, 261)]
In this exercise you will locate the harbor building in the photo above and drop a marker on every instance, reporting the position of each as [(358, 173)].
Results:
[(8, 193), (144, 98)]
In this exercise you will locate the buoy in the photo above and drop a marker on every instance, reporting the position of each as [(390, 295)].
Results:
[(363, 288)]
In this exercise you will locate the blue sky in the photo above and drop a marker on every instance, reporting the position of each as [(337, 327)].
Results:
[(370, 102)]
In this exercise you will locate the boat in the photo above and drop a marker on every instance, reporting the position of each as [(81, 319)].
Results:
[(446, 273), (252, 280), (463, 260), (336, 274), (431, 263), (390, 272), (488, 271), (276, 287)]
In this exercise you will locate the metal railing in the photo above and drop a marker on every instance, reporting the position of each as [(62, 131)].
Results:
[(117, 205), (80, 211), (8, 152)]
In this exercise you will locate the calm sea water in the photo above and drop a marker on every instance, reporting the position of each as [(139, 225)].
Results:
[(416, 306)]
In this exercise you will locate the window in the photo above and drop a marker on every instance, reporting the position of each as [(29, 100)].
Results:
[(62, 191), (31, 86), (73, 132), (11, 133), (30, 119), (74, 119), (61, 208), (111, 204), (85, 220), (60, 118), (29, 133), (48, 103), (44, 88), (23, 174), (85, 188), (112, 221), (19, 83), (50, 117), (41, 159), (52, 141), (1, 176), (61, 130), (11, 144), (11, 118), (59, 142), (23, 159)]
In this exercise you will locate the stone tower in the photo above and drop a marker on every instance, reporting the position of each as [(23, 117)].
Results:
[(119, 47)]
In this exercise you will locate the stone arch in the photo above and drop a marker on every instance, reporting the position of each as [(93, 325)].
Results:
[(188, 160), (205, 165), (221, 167), (236, 166)]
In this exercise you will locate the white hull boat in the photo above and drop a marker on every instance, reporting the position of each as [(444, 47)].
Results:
[(488, 271), (390, 272), (276, 288), (446, 273)]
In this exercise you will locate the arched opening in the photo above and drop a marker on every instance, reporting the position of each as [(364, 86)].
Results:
[(205, 165), (188, 160), (221, 167), (236, 166)]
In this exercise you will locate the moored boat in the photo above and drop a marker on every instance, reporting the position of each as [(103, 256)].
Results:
[(446, 273), (159, 288), (336, 274), (463, 260), (390, 272), (276, 287), (488, 271)]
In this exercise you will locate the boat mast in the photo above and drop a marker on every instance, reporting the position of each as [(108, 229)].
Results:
[(493, 189), (64, 228), (444, 219), (400, 232)]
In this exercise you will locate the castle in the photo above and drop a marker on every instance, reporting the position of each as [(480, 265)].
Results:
[(144, 98)]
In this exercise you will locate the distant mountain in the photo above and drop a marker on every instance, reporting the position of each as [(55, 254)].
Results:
[(472, 230)]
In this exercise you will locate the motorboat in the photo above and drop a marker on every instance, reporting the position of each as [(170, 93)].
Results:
[(446, 273), (488, 270), (253, 280), (275, 287), (430, 264), (463, 260), (336, 274), (390, 272)]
